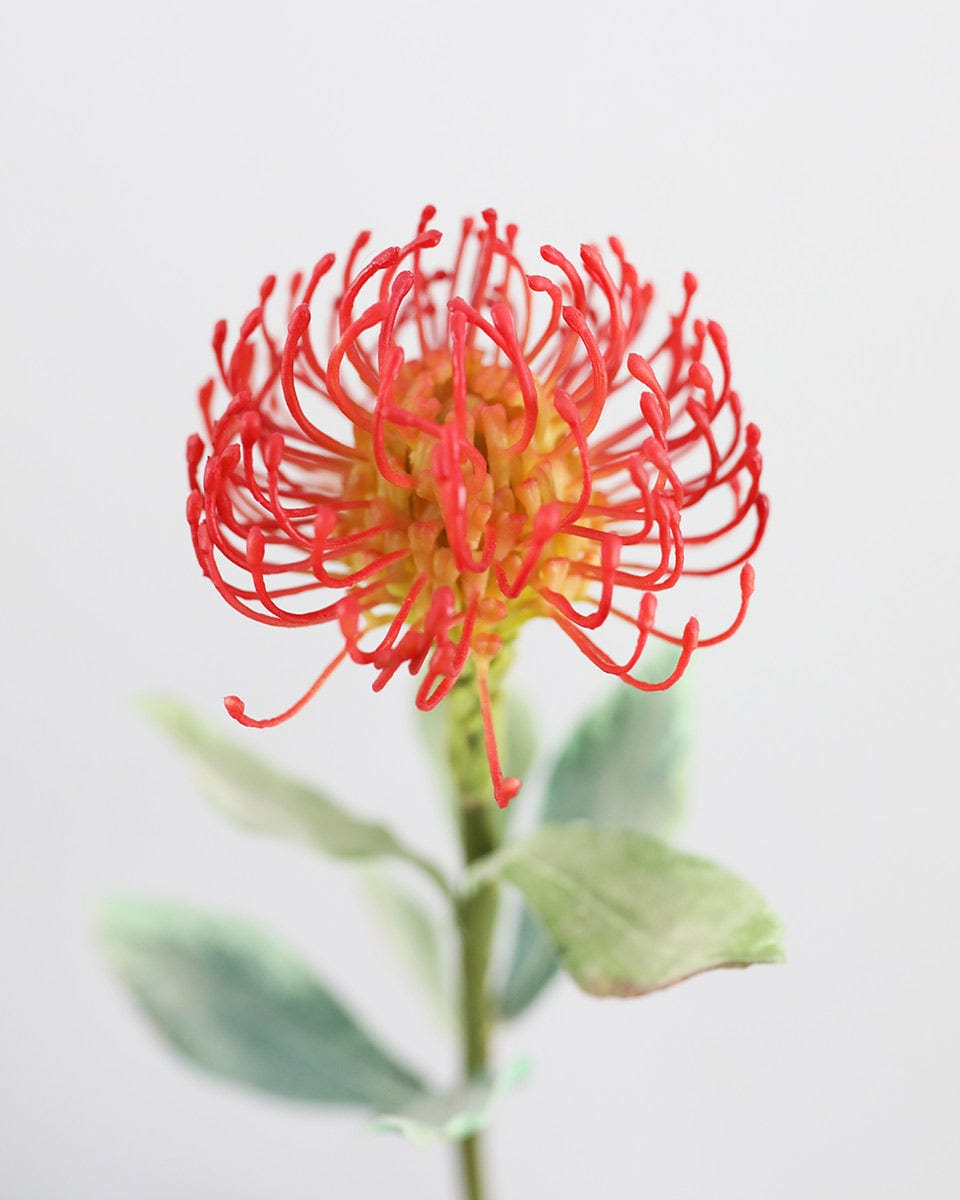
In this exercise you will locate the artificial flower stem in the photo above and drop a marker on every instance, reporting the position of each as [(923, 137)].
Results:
[(472, 1168), (477, 920), (481, 831)]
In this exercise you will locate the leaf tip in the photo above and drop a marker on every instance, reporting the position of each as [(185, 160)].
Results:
[(167, 713)]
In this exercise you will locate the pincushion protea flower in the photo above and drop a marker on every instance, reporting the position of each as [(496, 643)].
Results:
[(446, 463)]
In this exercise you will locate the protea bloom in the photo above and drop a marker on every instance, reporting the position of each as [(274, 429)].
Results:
[(444, 463)]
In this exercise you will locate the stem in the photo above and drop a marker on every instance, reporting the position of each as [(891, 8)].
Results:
[(471, 1168), (478, 916), (477, 919), (481, 830)]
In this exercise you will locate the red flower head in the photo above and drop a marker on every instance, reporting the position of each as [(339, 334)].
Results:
[(442, 465)]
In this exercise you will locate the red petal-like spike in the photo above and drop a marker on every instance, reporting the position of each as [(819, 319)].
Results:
[(504, 789), (236, 708)]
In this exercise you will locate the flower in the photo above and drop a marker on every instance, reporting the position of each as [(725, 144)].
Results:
[(446, 464)]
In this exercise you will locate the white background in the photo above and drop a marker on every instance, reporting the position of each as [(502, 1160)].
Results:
[(158, 160)]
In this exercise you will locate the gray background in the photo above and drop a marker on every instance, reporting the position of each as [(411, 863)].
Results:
[(158, 160)]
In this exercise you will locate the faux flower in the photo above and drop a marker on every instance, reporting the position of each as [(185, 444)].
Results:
[(451, 449)]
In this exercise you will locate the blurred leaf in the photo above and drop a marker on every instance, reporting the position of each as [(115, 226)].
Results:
[(257, 797), (518, 736), (458, 1115), (411, 929), (628, 914), (241, 1007), (532, 965), (625, 765)]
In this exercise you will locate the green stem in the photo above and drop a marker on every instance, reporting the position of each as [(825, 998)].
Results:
[(481, 826), (471, 1168), (477, 919)]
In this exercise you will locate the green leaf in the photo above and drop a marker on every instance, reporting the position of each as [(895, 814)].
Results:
[(532, 965), (413, 932), (625, 766), (241, 1007), (628, 914), (458, 1115), (257, 797)]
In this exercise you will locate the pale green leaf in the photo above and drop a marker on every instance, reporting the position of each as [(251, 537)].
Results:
[(460, 1114), (241, 1007), (531, 966), (413, 933), (624, 766), (628, 914), (258, 797)]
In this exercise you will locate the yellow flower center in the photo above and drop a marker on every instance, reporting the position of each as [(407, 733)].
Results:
[(496, 494)]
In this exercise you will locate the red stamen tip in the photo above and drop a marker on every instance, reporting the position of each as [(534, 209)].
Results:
[(324, 522), (250, 323), (194, 451), (506, 791), (273, 455), (565, 407), (256, 544), (250, 426), (234, 706), (299, 320), (386, 258), (718, 335), (194, 509)]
